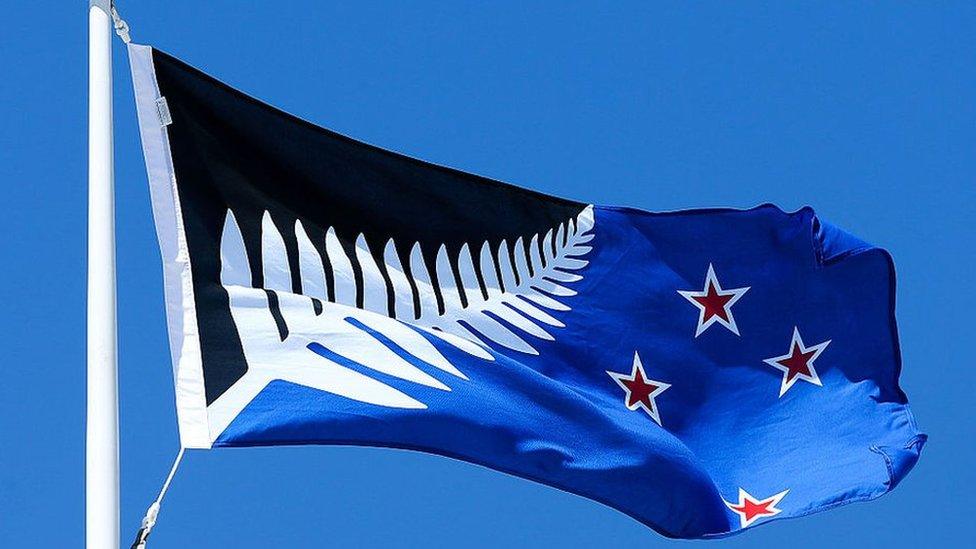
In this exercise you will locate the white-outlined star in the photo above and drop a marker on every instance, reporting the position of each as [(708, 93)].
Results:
[(751, 509), (640, 390), (797, 363), (714, 303)]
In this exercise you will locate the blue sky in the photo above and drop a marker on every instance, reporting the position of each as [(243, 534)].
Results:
[(864, 112)]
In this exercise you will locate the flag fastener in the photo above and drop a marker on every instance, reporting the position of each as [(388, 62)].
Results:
[(152, 513), (121, 27)]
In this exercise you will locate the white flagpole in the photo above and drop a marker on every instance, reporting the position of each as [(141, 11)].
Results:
[(102, 428)]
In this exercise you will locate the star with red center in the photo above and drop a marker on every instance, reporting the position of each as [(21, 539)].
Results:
[(714, 303), (640, 390), (751, 509), (798, 363)]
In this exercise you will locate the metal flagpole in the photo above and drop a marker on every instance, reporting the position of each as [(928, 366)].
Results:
[(102, 427)]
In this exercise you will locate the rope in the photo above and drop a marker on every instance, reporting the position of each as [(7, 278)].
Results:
[(152, 513), (121, 27)]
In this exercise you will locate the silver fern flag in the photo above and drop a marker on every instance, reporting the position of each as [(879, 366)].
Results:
[(701, 371)]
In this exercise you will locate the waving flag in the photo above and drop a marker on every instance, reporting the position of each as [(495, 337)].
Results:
[(701, 371)]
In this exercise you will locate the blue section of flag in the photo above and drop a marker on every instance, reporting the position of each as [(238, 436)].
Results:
[(735, 446)]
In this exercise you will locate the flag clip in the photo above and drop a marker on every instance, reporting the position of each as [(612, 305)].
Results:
[(152, 514), (162, 110), (121, 27)]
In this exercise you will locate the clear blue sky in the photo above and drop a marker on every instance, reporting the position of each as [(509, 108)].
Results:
[(864, 112)]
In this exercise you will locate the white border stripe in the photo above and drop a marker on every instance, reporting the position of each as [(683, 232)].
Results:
[(181, 316)]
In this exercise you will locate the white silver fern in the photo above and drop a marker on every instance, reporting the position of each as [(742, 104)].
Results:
[(514, 311)]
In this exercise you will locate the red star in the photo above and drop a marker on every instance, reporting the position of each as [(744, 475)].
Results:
[(750, 509), (798, 363), (714, 304), (640, 391)]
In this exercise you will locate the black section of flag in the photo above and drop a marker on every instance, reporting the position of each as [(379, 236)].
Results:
[(232, 151)]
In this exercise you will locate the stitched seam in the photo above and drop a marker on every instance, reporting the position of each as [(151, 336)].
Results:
[(888, 464)]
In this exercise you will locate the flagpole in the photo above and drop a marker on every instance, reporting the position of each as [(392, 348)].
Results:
[(102, 427)]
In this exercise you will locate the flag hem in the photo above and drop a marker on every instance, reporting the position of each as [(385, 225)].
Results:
[(181, 319)]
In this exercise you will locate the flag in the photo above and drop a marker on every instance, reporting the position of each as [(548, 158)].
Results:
[(701, 371)]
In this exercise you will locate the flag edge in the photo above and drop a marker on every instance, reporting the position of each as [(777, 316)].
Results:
[(181, 318)]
